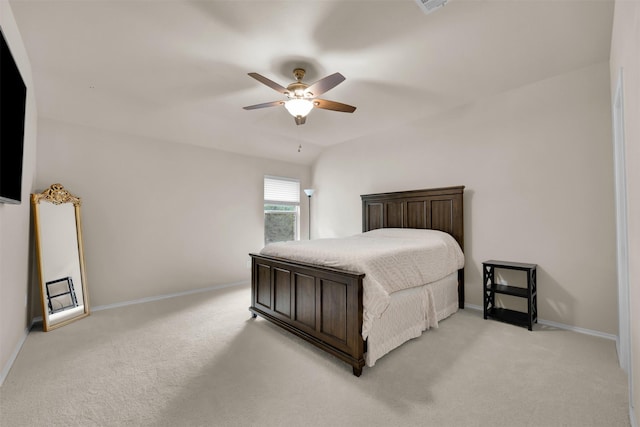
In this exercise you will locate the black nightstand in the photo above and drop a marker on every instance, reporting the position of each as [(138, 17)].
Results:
[(491, 288)]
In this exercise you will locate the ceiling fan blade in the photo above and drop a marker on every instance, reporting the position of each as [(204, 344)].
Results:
[(334, 106), (264, 105), (323, 85), (300, 120), (273, 85)]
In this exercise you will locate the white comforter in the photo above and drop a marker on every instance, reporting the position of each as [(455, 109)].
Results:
[(392, 259)]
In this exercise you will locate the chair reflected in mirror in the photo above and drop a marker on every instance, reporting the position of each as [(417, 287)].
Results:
[(61, 295)]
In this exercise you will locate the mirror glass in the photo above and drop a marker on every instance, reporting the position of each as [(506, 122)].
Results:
[(58, 233)]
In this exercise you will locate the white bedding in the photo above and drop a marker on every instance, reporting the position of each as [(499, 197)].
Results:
[(392, 260), (409, 314)]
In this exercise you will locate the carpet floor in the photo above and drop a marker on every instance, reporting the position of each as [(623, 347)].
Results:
[(200, 360)]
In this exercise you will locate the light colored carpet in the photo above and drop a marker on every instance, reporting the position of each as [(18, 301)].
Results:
[(199, 360)]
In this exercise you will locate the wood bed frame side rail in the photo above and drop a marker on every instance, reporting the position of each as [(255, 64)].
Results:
[(321, 305)]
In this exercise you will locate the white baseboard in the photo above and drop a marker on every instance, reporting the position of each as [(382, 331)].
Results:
[(578, 329), (7, 367), (561, 326), (166, 296)]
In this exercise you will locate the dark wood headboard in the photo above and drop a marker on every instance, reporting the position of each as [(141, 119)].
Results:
[(435, 209)]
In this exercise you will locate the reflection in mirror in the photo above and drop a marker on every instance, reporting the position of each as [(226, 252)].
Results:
[(58, 232)]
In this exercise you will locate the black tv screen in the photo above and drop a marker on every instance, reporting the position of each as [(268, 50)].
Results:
[(13, 96)]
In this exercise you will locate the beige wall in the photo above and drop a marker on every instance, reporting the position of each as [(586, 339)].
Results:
[(625, 54), (14, 219), (537, 166), (159, 217)]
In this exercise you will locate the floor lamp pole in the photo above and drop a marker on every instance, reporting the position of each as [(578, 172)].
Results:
[(309, 193)]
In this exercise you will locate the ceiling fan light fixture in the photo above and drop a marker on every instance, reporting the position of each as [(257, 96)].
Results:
[(298, 107)]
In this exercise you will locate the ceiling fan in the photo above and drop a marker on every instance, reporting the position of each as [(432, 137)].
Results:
[(303, 97)]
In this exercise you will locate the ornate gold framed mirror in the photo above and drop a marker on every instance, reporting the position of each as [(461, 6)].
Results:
[(58, 235)]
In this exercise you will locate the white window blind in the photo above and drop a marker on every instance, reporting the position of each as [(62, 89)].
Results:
[(281, 190)]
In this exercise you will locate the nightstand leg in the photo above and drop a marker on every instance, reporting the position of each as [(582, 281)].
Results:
[(533, 298), (487, 295)]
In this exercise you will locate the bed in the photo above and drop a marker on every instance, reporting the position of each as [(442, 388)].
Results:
[(329, 306)]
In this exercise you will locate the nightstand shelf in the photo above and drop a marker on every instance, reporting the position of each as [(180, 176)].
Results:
[(491, 288), (513, 317), (510, 290)]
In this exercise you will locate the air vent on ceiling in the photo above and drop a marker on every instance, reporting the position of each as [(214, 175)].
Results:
[(429, 6)]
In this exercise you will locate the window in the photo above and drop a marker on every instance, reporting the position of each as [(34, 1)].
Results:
[(281, 209)]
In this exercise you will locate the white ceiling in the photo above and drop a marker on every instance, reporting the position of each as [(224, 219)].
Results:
[(177, 70)]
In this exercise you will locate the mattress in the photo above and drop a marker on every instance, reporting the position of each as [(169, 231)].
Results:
[(410, 312)]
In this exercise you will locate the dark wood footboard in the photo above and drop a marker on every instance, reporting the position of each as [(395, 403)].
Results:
[(321, 305)]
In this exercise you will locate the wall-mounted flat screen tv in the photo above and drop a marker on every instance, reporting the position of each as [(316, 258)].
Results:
[(13, 97)]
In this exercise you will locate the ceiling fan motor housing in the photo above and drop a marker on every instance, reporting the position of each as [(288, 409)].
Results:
[(297, 89)]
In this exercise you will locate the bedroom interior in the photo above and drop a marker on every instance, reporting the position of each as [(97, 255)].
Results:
[(512, 99)]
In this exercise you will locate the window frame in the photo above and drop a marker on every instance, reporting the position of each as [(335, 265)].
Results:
[(291, 201)]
